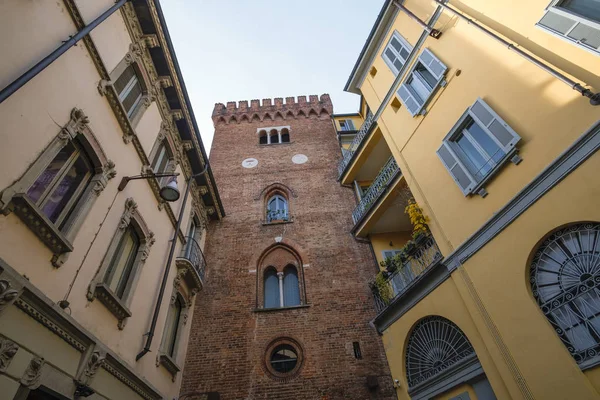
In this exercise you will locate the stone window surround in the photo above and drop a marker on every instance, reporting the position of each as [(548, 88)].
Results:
[(14, 197), (263, 267), (98, 288), (268, 130), (133, 57)]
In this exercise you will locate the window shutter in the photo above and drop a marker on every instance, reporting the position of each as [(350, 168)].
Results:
[(571, 27), (458, 172), (350, 125), (506, 137), (408, 100), (433, 64)]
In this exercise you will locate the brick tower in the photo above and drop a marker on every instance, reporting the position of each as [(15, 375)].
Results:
[(285, 310)]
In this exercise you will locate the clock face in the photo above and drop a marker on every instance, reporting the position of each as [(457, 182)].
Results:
[(250, 163), (299, 159)]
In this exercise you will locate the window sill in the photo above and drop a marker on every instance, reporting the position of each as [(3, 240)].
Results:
[(279, 222), (113, 303), (169, 364), (272, 144), (281, 308), (513, 156), (40, 225)]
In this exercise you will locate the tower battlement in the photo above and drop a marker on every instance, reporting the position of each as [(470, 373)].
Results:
[(273, 109)]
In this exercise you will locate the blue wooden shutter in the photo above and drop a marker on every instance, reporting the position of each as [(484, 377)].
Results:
[(571, 27), (495, 126), (433, 64), (457, 170), (350, 125), (411, 104), (291, 288), (271, 289)]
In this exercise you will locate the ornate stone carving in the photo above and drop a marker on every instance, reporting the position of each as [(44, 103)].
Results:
[(203, 190), (109, 170), (164, 82), (103, 85), (94, 362), (135, 53), (210, 210), (32, 374), (130, 209), (177, 114), (150, 40), (7, 294), (8, 349)]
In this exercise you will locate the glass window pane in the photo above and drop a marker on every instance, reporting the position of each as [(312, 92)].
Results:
[(124, 79), (45, 179), (122, 262), (419, 91), (485, 141), (470, 156), (271, 289), (64, 190), (158, 159), (396, 44), (133, 97), (291, 287), (426, 76), (172, 325), (585, 8), (404, 53), (390, 55), (275, 138), (284, 358)]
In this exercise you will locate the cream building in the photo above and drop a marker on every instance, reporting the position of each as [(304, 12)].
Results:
[(90, 307)]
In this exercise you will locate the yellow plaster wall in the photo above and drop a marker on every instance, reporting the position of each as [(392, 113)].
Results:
[(381, 242), (357, 120)]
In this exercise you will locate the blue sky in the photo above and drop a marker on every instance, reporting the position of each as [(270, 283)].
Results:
[(233, 50)]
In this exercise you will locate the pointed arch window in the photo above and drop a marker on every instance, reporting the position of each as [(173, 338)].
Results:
[(277, 209), (291, 287), (271, 289), (565, 280)]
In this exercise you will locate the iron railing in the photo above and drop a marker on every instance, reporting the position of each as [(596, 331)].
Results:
[(424, 255), (193, 253), (277, 215), (385, 176), (362, 132)]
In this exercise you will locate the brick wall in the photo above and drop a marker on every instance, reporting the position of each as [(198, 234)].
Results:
[(229, 337)]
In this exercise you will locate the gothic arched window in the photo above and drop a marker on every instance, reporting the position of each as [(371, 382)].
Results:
[(565, 280), (277, 208), (434, 345), (271, 288), (291, 287)]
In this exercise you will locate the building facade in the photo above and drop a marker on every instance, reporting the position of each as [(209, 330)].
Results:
[(476, 173), (285, 311), (89, 306)]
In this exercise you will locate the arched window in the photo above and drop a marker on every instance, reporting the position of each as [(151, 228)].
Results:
[(271, 289), (565, 280), (277, 208), (285, 135), (291, 287), (274, 136), (262, 137), (435, 345)]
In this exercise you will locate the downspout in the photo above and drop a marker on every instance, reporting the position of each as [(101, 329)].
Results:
[(40, 66), (594, 97)]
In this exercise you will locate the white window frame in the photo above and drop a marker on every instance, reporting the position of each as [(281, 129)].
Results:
[(475, 184), (404, 43), (407, 94), (577, 19)]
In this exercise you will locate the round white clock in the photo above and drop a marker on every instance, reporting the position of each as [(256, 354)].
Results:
[(299, 159), (250, 163)]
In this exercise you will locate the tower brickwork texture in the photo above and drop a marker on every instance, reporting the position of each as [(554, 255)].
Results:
[(327, 307)]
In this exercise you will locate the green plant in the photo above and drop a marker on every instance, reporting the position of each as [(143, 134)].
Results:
[(383, 288), (418, 220)]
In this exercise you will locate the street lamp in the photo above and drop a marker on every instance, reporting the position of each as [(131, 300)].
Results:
[(169, 192), (170, 189)]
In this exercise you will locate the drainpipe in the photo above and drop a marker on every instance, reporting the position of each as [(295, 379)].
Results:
[(594, 97), (40, 66)]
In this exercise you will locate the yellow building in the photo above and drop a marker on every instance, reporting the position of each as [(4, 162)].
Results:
[(90, 305), (486, 113)]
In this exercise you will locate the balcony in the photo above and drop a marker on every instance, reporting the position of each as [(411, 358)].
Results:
[(355, 145), (385, 177), (274, 216), (413, 265), (193, 263)]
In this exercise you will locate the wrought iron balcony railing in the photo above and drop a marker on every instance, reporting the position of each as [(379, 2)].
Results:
[(193, 254), (362, 132), (423, 256), (385, 176), (277, 215)]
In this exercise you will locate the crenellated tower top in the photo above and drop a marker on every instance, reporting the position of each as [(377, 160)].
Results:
[(273, 109)]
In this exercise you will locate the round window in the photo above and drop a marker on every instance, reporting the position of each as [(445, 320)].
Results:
[(284, 358)]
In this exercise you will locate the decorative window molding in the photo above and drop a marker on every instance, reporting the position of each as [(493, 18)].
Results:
[(75, 139), (163, 156), (273, 135), (576, 23), (565, 280), (280, 280), (478, 145), (425, 77), (283, 359), (100, 286), (396, 52), (132, 84)]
